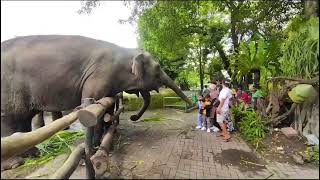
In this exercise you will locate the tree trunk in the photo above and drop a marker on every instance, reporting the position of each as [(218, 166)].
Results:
[(224, 58), (200, 69), (256, 76), (311, 8)]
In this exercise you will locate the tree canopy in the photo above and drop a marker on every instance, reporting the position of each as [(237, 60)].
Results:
[(242, 37)]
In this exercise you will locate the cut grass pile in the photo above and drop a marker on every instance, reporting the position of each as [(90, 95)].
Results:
[(58, 144)]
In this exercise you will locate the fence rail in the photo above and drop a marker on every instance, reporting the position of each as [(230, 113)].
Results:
[(19, 143)]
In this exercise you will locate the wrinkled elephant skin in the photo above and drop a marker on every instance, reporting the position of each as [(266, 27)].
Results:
[(54, 72)]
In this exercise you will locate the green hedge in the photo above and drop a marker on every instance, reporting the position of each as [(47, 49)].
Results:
[(131, 102)]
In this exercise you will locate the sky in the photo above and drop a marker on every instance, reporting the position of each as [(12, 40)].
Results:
[(21, 18)]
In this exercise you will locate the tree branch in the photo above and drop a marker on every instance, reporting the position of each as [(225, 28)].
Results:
[(300, 80), (278, 119)]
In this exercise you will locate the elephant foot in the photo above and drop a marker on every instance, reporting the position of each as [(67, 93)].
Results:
[(134, 118), (12, 163), (33, 152)]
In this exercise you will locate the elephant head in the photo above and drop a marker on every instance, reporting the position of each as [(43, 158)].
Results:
[(148, 76)]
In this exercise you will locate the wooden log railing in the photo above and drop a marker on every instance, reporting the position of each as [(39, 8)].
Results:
[(71, 163), (19, 143), (100, 158), (88, 116)]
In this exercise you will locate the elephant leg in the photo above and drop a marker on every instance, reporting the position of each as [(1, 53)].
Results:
[(57, 115), (38, 121), (26, 126)]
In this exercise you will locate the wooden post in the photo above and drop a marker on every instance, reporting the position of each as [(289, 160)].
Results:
[(65, 171), (90, 174), (89, 115), (18, 143), (88, 153), (100, 158)]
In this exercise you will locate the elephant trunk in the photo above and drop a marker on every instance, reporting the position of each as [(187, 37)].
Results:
[(146, 101), (166, 80)]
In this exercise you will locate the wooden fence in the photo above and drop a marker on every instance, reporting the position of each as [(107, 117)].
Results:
[(88, 116)]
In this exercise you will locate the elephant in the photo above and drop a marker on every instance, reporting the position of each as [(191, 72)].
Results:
[(39, 120), (55, 72)]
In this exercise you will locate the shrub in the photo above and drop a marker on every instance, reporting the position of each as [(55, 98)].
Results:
[(132, 102), (252, 128)]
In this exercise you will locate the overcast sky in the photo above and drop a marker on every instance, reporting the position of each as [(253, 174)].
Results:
[(21, 18)]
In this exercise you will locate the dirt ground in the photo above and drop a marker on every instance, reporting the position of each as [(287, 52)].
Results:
[(292, 145), (141, 148)]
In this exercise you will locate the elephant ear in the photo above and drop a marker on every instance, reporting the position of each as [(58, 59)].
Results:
[(137, 66)]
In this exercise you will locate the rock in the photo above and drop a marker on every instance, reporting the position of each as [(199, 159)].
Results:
[(312, 139), (106, 175), (297, 159), (289, 132)]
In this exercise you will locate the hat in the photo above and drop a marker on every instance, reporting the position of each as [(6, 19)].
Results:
[(212, 86)]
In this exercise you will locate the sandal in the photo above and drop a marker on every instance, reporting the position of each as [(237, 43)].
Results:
[(226, 138), (219, 135)]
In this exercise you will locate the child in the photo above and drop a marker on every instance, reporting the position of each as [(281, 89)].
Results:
[(200, 119), (206, 106)]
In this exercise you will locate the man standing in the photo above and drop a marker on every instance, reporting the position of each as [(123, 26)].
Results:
[(223, 109)]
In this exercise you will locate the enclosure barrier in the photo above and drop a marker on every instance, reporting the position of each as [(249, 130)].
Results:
[(100, 158), (19, 143), (88, 116)]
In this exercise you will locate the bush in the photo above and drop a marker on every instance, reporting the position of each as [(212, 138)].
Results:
[(251, 126), (313, 153), (131, 102)]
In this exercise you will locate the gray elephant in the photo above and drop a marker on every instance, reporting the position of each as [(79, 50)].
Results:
[(54, 72)]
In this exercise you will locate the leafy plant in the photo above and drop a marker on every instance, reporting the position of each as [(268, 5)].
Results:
[(313, 153), (58, 144), (301, 49), (252, 128), (237, 113)]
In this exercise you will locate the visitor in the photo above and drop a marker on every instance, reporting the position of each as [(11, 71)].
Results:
[(239, 93), (200, 119), (245, 98), (205, 90), (223, 109), (206, 106), (256, 96), (214, 93)]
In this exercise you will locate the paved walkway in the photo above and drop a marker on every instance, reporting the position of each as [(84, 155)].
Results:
[(189, 153), (196, 157), (172, 148)]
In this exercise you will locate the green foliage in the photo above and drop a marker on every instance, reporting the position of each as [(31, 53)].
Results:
[(251, 127), (58, 144), (154, 119), (237, 113), (313, 153), (187, 79), (301, 49), (132, 102), (161, 32)]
